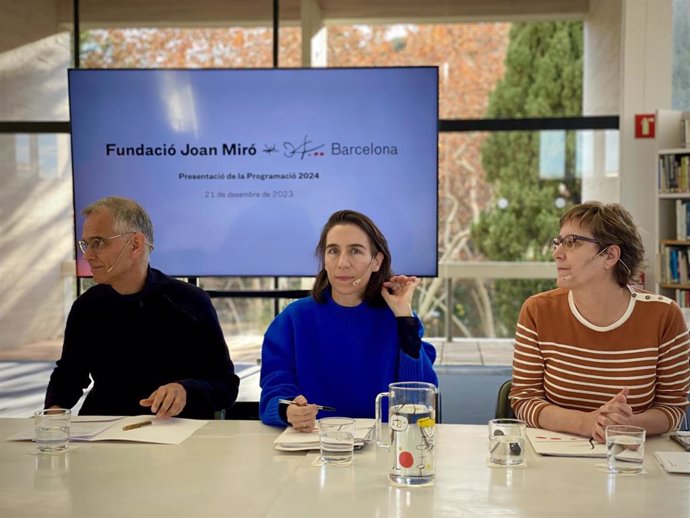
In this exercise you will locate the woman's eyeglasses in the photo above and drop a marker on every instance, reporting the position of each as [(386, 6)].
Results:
[(569, 242)]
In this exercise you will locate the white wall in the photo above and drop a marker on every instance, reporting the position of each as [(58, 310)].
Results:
[(601, 89), (628, 53), (36, 195), (646, 54)]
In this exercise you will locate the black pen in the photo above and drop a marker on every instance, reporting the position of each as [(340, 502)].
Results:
[(320, 407)]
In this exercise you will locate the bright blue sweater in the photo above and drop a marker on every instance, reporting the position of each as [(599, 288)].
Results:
[(336, 356)]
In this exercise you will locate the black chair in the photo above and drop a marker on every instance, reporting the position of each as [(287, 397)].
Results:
[(503, 408), (241, 410)]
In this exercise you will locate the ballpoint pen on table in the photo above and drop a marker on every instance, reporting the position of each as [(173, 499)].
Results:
[(320, 407), (136, 425)]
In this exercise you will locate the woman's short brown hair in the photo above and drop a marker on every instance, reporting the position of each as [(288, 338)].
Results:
[(377, 242), (611, 224)]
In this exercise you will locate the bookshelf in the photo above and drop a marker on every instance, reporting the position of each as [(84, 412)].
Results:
[(672, 272)]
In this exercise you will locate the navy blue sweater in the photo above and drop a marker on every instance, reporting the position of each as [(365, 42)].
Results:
[(132, 344)]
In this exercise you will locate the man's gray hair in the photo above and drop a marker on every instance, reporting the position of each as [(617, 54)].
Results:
[(127, 214)]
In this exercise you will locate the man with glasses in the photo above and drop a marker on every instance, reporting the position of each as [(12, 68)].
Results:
[(149, 342)]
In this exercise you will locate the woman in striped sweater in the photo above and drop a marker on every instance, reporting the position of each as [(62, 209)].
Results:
[(597, 351)]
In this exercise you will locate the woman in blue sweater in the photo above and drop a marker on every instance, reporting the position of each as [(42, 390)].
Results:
[(353, 336)]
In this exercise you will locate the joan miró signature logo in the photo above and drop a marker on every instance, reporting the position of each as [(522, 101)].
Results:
[(305, 148)]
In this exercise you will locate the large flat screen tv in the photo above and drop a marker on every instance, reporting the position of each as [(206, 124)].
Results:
[(240, 169)]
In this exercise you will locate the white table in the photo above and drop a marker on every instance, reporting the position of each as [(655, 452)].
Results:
[(230, 469)]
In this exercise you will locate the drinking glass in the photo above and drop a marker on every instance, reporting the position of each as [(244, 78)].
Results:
[(337, 440), (507, 442), (52, 429), (625, 448)]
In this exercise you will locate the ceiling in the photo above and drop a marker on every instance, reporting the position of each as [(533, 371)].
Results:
[(136, 13)]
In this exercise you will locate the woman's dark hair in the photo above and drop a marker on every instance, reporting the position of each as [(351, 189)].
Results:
[(377, 242), (611, 224)]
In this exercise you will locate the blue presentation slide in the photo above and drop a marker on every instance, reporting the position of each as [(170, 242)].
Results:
[(240, 169)]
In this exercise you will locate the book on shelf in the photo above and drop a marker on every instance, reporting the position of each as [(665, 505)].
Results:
[(665, 269), (675, 265), (682, 219), (685, 129), (682, 265), (683, 300), (673, 173)]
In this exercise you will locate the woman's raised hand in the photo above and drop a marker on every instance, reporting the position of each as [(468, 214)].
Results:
[(397, 292)]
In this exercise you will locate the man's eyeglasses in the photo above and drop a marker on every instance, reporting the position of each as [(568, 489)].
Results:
[(569, 242), (96, 244)]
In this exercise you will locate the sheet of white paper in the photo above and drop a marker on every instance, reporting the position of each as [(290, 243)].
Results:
[(674, 461), (108, 428), (82, 428), (85, 430), (293, 440), (162, 431), (558, 444), (95, 418)]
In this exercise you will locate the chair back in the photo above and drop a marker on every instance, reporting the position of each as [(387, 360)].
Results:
[(503, 408), (241, 410)]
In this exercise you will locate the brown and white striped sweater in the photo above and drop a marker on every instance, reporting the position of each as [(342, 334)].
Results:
[(560, 358)]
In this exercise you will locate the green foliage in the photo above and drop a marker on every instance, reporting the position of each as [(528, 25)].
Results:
[(543, 75), (507, 298), (543, 78)]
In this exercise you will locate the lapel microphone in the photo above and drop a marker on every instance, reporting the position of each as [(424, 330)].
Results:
[(587, 263), (121, 252), (358, 280)]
